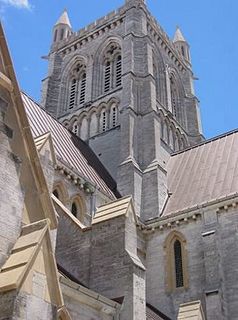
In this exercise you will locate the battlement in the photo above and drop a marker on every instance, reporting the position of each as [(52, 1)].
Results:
[(92, 28)]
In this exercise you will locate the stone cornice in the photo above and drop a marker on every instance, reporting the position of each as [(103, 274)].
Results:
[(170, 221)]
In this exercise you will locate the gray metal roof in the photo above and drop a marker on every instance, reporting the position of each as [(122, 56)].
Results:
[(204, 173), (70, 148)]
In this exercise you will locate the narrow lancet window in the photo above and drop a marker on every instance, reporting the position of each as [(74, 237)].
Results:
[(104, 121), (114, 117), (178, 261), (83, 89)]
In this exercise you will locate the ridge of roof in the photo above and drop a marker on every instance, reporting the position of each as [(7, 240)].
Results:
[(220, 136)]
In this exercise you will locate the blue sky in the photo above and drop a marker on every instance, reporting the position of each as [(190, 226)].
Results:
[(210, 26)]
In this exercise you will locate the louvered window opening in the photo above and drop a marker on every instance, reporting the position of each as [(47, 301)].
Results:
[(72, 95), (83, 89), (114, 117), (104, 121), (107, 77), (118, 71), (178, 264)]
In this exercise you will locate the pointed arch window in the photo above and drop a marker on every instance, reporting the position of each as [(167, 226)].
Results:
[(176, 268), (104, 119), (113, 116), (77, 87), (112, 67), (75, 128), (78, 207), (178, 264)]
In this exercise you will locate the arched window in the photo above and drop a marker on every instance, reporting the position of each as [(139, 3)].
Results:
[(77, 86), (112, 67), (103, 121), (78, 208), (75, 128), (176, 268), (178, 264), (74, 209)]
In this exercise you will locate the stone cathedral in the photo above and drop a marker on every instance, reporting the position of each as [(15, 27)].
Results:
[(113, 204)]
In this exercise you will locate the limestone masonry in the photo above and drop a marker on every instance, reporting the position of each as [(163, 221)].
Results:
[(113, 204)]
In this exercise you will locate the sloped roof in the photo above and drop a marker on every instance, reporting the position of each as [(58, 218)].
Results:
[(205, 173), (112, 210), (191, 310), (70, 148)]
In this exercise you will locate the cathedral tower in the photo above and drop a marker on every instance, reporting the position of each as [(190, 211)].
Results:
[(124, 87)]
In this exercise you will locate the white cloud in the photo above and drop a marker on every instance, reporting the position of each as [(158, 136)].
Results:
[(17, 3)]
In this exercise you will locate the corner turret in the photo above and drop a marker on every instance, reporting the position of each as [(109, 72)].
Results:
[(182, 45), (62, 29)]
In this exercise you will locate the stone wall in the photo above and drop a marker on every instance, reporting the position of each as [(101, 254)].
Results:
[(10, 188), (211, 245)]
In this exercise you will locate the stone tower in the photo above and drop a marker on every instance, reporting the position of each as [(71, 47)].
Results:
[(124, 87)]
